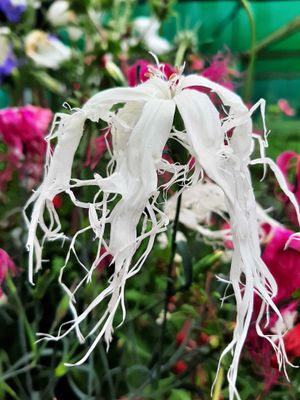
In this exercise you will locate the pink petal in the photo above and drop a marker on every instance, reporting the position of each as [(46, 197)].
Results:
[(286, 108)]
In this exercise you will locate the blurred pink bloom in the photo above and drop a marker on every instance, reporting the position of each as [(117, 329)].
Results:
[(95, 150), (220, 72), (287, 161), (138, 72), (6, 265), (284, 264), (262, 354), (196, 63), (286, 108), (22, 129)]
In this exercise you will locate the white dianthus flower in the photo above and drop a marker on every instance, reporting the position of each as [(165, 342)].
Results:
[(140, 126)]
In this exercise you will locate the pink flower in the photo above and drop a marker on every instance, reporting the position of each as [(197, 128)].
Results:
[(286, 108), (22, 129), (288, 161), (219, 71), (196, 63), (138, 72), (6, 265), (284, 264)]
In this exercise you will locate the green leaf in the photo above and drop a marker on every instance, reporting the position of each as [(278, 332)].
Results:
[(296, 294), (7, 389), (61, 370), (137, 296), (206, 262), (42, 285), (179, 394)]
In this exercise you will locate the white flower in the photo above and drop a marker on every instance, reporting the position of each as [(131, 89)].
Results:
[(200, 202), (46, 50), (147, 30), (17, 3), (25, 3), (140, 130), (59, 13)]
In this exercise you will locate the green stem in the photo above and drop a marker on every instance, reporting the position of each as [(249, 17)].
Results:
[(20, 309), (218, 385), (180, 53), (290, 28), (252, 52)]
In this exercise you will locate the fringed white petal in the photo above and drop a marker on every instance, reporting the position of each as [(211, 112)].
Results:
[(227, 166), (135, 179), (56, 180), (140, 126)]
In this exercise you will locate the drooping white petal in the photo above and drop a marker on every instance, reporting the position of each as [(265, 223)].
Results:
[(68, 129), (57, 178), (136, 186), (227, 166)]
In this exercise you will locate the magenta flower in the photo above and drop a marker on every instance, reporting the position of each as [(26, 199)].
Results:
[(283, 262), (22, 130), (288, 161), (138, 72), (6, 265), (286, 108), (220, 72)]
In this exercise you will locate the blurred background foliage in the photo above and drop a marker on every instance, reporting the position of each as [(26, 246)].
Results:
[(170, 343)]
